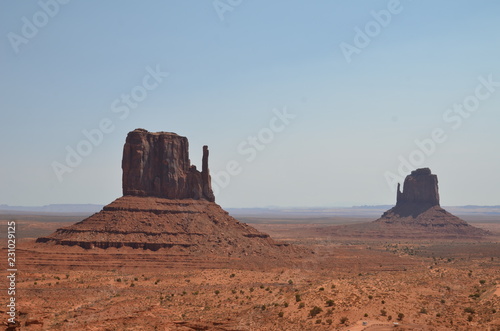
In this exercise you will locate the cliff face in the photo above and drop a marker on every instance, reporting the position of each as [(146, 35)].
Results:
[(420, 187), (158, 165)]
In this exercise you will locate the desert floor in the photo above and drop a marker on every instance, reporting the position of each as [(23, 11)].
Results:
[(340, 284)]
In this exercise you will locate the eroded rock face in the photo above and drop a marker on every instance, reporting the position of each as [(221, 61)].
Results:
[(185, 225), (420, 187), (157, 164)]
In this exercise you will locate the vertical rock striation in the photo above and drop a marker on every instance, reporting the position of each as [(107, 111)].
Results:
[(157, 165), (420, 187)]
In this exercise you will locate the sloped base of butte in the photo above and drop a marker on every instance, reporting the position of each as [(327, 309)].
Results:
[(432, 219), (178, 225), (412, 221)]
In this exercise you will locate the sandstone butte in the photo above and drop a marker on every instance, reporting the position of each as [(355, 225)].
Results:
[(166, 204), (417, 207)]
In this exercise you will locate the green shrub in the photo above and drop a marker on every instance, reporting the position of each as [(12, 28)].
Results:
[(315, 311)]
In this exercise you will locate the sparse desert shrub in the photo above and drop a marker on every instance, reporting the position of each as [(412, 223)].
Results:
[(389, 317), (267, 289), (119, 280), (470, 318), (261, 286), (184, 292), (482, 282), (132, 285), (233, 291), (285, 304), (321, 288), (298, 298), (280, 314), (470, 310), (370, 297), (232, 276), (383, 302), (263, 307), (57, 277), (333, 286), (330, 303), (443, 300), (67, 276), (401, 316), (365, 315), (438, 315), (315, 311), (423, 310), (217, 292), (302, 305), (318, 321), (195, 293), (383, 312), (251, 289), (493, 311), (290, 282), (136, 279), (343, 320), (329, 321)]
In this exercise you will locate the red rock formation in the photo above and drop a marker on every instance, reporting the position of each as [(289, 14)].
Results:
[(167, 204), (418, 207), (195, 226), (157, 164), (421, 187)]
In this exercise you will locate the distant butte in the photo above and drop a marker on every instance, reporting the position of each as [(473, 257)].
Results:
[(416, 215), (417, 206), (167, 203)]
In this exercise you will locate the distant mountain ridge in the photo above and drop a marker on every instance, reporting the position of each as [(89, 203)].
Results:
[(375, 210), (54, 208)]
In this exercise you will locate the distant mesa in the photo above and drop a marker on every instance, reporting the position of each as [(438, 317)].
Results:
[(166, 203), (418, 206)]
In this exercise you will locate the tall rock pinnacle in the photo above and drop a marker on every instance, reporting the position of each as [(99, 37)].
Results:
[(420, 187), (157, 164)]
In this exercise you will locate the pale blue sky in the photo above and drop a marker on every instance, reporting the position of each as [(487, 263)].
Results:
[(353, 120)]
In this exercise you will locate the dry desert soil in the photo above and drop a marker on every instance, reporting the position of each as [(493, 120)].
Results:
[(332, 282)]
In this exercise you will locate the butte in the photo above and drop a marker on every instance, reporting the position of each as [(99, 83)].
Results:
[(416, 215), (167, 205)]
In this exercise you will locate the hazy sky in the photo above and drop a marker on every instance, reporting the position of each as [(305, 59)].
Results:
[(302, 103)]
